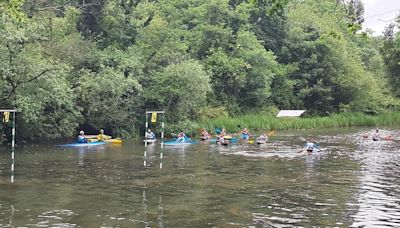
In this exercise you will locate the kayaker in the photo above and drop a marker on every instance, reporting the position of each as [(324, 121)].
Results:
[(310, 146), (388, 138), (150, 134), (365, 135), (245, 134), (82, 138), (102, 136), (376, 136), (263, 138), (205, 135), (222, 132), (221, 140), (181, 137)]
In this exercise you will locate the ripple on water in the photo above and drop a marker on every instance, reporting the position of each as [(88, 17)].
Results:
[(378, 191), (274, 221), (54, 218)]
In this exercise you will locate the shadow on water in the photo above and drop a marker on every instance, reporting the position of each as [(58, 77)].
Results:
[(352, 183)]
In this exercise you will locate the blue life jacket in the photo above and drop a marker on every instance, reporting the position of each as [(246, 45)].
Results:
[(82, 139)]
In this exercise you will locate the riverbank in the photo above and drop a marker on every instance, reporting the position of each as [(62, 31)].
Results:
[(262, 122)]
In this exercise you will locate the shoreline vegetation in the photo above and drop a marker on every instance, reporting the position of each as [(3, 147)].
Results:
[(69, 66), (262, 122)]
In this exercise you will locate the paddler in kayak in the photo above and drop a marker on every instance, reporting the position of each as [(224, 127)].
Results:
[(263, 138), (205, 135), (310, 146), (150, 135), (222, 138), (376, 136), (245, 135), (102, 137), (181, 137), (365, 135), (82, 138)]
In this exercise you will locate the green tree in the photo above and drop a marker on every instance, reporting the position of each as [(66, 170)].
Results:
[(181, 89), (34, 83)]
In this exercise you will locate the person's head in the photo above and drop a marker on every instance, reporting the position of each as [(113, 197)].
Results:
[(377, 130), (149, 130), (101, 131), (308, 140), (81, 132)]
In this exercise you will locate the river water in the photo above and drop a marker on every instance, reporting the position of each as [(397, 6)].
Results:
[(351, 183)]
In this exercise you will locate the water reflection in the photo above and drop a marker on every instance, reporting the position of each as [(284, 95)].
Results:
[(378, 191)]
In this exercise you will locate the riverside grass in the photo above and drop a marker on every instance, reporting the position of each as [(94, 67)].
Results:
[(262, 122)]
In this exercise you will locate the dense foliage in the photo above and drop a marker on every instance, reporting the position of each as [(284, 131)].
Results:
[(100, 64)]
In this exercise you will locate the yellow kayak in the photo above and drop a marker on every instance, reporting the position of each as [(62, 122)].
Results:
[(113, 141), (228, 137)]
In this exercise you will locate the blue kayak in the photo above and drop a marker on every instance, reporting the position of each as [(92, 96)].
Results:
[(97, 143), (233, 140), (175, 143)]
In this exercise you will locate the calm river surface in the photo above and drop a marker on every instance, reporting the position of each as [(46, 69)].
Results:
[(351, 183)]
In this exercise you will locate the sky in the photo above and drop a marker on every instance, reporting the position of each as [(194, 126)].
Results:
[(379, 13)]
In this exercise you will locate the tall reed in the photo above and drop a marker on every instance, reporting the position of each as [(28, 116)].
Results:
[(261, 122)]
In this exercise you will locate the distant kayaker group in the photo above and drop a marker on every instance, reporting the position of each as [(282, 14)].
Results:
[(221, 138), (376, 136)]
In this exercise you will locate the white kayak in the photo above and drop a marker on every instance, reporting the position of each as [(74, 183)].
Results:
[(175, 143), (149, 140), (315, 150)]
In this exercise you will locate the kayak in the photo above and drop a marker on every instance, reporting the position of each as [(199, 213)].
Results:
[(149, 140), (315, 150), (113, 141), (175, 143), (97, 143), (232, 140), (225, 143), (204, 137)]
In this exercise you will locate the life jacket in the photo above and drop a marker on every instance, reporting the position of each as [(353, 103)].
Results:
[(82, 139)]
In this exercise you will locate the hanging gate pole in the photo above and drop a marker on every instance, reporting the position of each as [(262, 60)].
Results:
[(153, 120), (145, 142), (162, 141), (8, 111), (13, 149)]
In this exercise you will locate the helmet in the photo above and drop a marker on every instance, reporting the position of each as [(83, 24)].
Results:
[(81, 132)]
